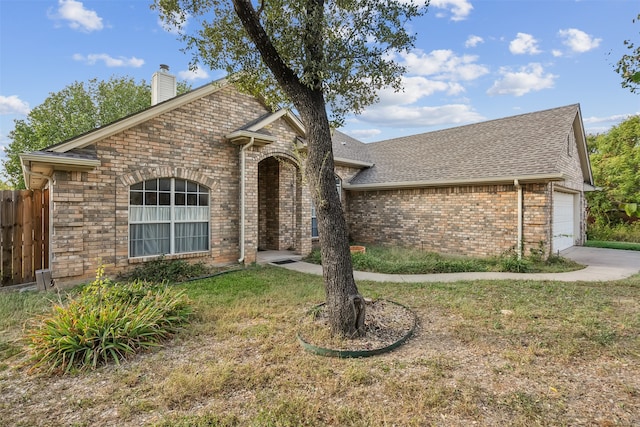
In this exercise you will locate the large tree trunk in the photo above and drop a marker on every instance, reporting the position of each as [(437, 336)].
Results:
[(346, 306)]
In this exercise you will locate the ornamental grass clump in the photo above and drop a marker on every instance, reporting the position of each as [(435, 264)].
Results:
[(106, 322)]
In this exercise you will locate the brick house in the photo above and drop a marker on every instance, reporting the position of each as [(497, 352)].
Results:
[(214, 176)]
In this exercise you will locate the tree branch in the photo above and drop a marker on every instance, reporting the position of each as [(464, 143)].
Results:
[(250, 19)]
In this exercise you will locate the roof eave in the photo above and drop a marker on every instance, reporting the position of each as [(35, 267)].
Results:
[(524, 179), (242, 137), (341, 161), (59, 163), (583, 150), (38, 168)]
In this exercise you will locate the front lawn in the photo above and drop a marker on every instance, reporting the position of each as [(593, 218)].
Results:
[(386, 260), (630, 246), (516, 353)]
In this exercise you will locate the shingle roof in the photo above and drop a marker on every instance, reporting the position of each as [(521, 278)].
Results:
[(523, 145), (346, 147)]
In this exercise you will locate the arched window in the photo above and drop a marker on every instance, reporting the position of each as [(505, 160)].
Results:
[(168, 216), (314, 217)]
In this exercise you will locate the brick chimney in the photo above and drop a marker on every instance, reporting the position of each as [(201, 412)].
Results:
[(163, 85)]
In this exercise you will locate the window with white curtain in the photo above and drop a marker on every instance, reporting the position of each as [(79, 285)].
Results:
[(168, 216)]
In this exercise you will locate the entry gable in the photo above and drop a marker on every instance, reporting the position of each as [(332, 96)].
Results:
[(256, 130)]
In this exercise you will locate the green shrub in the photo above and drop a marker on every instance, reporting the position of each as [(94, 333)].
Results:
[(514, 264), (162, 270), (615, 233), (106, 322)]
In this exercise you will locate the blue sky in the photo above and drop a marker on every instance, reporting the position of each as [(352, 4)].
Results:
[(474, 60)]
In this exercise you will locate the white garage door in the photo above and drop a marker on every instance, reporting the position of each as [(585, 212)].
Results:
[(563, 221)]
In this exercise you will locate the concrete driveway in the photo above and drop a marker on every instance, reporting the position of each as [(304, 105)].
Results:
[(602, 265)]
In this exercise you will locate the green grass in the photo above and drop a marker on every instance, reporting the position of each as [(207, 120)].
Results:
[(408, 261), (515, 353), (630, 246), (16, 308)]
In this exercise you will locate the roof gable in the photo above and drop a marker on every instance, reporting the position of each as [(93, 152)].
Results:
[(135, 119)]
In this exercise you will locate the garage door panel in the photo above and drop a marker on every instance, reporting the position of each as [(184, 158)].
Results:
[(563, 220)]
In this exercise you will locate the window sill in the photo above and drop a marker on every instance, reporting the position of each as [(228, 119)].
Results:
[(140, 260)]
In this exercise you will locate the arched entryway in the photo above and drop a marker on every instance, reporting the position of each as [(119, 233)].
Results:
[(279, 212)]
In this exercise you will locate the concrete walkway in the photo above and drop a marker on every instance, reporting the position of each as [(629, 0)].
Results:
[(602, 265)]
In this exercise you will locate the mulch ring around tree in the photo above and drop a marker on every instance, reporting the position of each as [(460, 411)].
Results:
[(387, 326)]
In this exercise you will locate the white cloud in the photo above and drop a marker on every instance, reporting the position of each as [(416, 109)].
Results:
[(429, 73), (524, 44), (443, 64), (420, 116), (363, 133), (459, 8), (529, 78), (556, 53), (13, 105), (473, 41), (414, 88), (77, 16), (578, 41), (191, 75), (616, 118), (108, 60)]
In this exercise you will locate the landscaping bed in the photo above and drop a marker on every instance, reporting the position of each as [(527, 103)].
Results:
[(387, 260)]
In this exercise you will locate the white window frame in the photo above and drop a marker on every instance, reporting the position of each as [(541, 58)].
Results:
[(168, 214)]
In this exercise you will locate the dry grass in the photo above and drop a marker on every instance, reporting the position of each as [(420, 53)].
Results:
[(485, 353)]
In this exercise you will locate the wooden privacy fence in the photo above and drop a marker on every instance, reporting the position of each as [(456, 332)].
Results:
[(24, 221)]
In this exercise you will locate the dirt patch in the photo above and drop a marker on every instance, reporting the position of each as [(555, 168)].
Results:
[(386, 323)]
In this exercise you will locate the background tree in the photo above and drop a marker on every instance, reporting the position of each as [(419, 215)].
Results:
[(76, 109), (615, 161), (629, 65), (311, 54)]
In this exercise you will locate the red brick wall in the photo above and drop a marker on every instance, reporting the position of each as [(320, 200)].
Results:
[(472, 220), (90, 213)]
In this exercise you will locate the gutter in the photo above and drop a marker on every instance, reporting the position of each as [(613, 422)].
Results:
[(242, 196), (470, 181), (519, 248)]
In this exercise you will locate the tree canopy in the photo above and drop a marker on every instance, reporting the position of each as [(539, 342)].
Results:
[(78, 108), (629, 65), (615, 162), (345, 48)]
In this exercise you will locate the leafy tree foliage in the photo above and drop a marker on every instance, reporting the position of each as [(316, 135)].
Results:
[(615, 161), (327, 58), (76, 109), (629, 65)]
